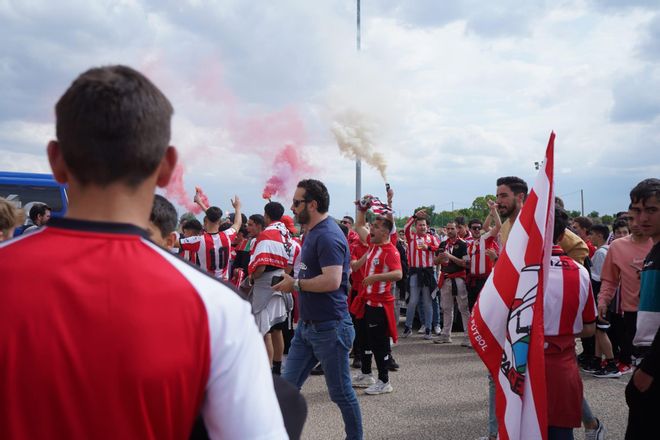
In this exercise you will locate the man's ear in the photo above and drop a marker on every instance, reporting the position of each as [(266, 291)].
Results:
[(57, 164), (166, 167)]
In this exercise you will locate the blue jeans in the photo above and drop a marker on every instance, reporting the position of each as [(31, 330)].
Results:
[(328, 342), (556, 433), (435, 305), (418, 292)]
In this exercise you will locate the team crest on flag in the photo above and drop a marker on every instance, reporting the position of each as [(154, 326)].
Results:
[(506, 325)]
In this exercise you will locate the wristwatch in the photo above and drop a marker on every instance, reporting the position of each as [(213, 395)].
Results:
[(296, 284)]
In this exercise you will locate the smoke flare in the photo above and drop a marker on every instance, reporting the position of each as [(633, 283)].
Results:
[(355, 138), (288, 166)]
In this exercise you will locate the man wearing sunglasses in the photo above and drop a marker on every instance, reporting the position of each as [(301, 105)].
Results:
[(482, 252), (325, 331)]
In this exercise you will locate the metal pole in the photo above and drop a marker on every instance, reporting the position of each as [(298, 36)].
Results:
[(358, 162), (582, 201)]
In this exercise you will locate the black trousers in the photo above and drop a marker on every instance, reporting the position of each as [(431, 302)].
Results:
[(643, 410), (474, 286), (372, 330), (629, 329)]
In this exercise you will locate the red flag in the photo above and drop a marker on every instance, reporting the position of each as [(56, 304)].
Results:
[(506, 326)]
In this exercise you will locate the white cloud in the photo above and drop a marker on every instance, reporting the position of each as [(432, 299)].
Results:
[(461, 92)]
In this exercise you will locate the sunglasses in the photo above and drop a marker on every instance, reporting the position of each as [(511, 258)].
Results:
[(475, 228), (297, 202)]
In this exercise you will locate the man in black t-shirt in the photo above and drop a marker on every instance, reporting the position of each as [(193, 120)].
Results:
[(452, 257)]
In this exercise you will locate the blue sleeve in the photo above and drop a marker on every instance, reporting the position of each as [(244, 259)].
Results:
[(332, 250)]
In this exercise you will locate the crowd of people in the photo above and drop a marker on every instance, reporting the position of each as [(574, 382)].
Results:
[(143, 298)]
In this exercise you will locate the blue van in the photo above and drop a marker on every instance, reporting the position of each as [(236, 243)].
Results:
[(26, 189)]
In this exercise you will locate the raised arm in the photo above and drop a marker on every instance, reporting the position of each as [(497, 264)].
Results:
[(238, 218), (361, 224)]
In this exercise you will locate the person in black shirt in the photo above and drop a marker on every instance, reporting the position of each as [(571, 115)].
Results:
[(452, 260)]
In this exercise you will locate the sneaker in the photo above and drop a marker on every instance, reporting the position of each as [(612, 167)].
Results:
[(317, 371), (379, 388), (624, 368), (407, 332), (466, 343), (421, 330), (428, 336), (595, 434), (392, 365), (609, 370), (357, 363), (443, 339), (362, 380), (592, 366), (437, 330)]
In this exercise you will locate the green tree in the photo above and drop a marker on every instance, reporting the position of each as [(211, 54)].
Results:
[(594, 214), (607, 219), (573, 214)]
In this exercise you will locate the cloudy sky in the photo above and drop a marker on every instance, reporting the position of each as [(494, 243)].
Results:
[(452, 94)]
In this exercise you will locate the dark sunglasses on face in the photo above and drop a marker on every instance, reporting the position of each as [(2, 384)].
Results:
[(297, 202), (475, 228)]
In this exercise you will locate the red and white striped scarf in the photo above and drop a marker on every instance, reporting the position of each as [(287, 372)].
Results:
[(273, 248)]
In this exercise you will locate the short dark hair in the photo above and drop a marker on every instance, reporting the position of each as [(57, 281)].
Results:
[(601, 230), (516, 184), (561, 223), (584, 222), (274, 210), (38, 209), (232, 217), (460, 220), (192, 225), (214, 214), (113, 125), (422, 219), (344, 229), (475, 221), (621, 223), (559, 202), (644, 190), (315, 190), (386, 222), (349, 218), (258, 219), (163, 215), (243, 230)]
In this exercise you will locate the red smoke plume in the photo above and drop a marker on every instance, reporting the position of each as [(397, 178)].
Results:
[(176, 192), (288, 166)]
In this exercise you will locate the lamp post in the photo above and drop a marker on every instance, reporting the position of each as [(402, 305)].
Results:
[(358, 162)]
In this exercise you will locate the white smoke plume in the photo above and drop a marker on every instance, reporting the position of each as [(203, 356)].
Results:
[(355, 134)]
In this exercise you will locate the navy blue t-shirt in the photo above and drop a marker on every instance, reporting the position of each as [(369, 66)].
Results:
[(324, 245)]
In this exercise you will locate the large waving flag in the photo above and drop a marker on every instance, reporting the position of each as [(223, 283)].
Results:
[(506, 326)]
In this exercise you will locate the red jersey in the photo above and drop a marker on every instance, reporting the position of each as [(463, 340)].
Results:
[(480, 264), (417, 256), (358, 249), (213, 250), (118, 339), (382, 258), (568, 303)]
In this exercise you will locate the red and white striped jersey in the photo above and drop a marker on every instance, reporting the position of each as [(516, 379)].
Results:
[(213, 250), (295, 256), (418, 257), (480, 264), (358, 249), (272, 248), (137, 346), (382, 258), (568, 302)]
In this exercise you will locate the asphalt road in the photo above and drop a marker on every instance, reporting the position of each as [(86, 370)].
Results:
[(441, 392)]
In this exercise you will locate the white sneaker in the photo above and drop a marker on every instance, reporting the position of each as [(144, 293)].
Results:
[(595, 434), (466, 343), (437, 330), (443, 339), (362, 380), (379, 388), (421, 330)]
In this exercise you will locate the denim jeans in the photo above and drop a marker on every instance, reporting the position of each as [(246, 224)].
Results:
[(492, 415), (418, 292), (328, 342), (435, 305)]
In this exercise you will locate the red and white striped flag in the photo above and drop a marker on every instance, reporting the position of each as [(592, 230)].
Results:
[(506, 326)]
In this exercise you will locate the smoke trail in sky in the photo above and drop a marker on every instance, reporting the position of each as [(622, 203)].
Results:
[(176, 191), (355, 135), (289, 165)]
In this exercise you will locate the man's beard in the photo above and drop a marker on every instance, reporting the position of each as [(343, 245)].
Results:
[(303, 216), (508, 213)]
